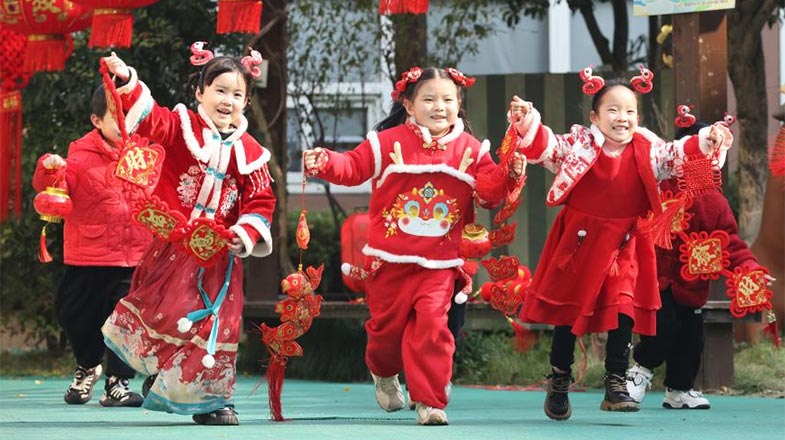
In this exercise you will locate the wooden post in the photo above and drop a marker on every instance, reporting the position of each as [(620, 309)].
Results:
[(700, 58)]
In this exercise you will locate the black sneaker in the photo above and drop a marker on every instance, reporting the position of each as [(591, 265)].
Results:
[(557, 402), (617, 398), (223, 416), (147, 384), (81, 389), (117, 393)]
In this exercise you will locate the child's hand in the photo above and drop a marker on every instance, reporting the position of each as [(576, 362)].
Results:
[(236, 246), (53, 162), (718, 136), (117, 67), (517, 166), (314, 160), (769, 280), (518, 111)]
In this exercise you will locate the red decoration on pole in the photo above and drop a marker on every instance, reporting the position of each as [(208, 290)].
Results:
[(243, 16), (387, 7), (47, 25), (113, 20), (13, 78)]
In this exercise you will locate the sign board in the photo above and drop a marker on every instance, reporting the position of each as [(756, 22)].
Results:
[(664, 7)]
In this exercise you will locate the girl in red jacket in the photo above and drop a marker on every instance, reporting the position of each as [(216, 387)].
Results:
[(679, 339), (423, 165), (181, 322), (102, 246), (597, 271)]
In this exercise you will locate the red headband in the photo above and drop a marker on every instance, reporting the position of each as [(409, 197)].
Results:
[(202, 56), (413, 75), (684, 119)]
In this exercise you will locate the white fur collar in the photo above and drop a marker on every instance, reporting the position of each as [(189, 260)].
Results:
[(456, 131)]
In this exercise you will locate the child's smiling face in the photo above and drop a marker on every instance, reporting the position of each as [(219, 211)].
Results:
[(435, 105), (617, 114), (224, 99)]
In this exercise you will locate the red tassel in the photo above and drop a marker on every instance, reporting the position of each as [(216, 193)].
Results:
[(43, 254), (614, 270), (111, 28), (275, 373), (243, 16), (387, 7), (47, 52), (658, 227), (524, 338), (771, 329), (10, 153), (493, 186)]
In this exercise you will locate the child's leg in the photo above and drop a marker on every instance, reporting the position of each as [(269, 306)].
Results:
[(119, 290), (557, 402), (685, 358), (617, 355), (562, 349), (652, 351), (388, 296), (428, 345)]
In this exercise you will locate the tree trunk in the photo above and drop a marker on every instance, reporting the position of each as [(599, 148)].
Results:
[(411, 47), (747, 72)]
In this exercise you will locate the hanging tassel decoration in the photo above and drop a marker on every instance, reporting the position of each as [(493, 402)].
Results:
[(111, 28), (275, 374), (243, 16), (524, 338), (658, 227), (43, 253), (387, 7), (47, 52), (10, 153), (771, 328), (563, 262)]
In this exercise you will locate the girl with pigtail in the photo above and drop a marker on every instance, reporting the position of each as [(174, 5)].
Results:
[(598, 269), (181, 322), (425, 170)]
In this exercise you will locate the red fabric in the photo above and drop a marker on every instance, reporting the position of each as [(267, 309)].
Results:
[(584, 294), (711, 212), (387, 233), (99, 231), (407, 330), (243, 16)]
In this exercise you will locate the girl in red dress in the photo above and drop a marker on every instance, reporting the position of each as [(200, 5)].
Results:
[(598, 271)]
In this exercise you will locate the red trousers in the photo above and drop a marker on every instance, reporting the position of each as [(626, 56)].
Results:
[(408, 328)]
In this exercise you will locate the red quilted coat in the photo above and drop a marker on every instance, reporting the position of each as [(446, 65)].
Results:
[(99, 231)]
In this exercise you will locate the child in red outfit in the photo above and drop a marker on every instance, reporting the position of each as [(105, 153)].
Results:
[(679, 338), (102, 246), (597, 272), (423, 165), (181, 322)]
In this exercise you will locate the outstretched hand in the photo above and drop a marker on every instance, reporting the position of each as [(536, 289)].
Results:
[(718, 135), (314, 159), (53, 162), (236, 245), (517, 166), (117, 67), (518, 111)]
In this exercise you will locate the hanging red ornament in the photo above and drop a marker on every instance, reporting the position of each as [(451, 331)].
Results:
[(13, 78), (303, 234), (243, 16), (52, 204), (48, 26), (112, 24), (475, 241), (387, 7)]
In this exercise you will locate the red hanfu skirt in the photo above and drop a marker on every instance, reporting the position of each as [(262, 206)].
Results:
[(143, 330), (591, 269)]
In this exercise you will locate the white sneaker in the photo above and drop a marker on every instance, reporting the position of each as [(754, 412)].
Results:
[(413, 404), (427, 415), (690, 399), (638, 381), (389, 394)]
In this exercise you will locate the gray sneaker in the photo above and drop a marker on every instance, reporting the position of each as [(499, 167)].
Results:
[(389, 394)]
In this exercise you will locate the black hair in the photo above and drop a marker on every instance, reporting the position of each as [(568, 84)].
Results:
[(691, 130), (98, 102), (216, 67), (398, 113), (609, 84)]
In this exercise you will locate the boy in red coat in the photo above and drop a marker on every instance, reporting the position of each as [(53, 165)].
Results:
[(102, 246), (679, 338)]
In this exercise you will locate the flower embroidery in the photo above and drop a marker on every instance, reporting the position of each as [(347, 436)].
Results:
[(229, 197), (190, 182)]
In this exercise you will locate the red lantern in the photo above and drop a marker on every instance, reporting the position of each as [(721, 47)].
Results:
[(387, 7), (354, 236), (47, 24), (12, 79), (244, 16), (113, 20), (53, 204), (475, 241)]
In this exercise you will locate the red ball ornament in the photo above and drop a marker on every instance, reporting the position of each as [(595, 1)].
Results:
[(475, 241), (52, 204)]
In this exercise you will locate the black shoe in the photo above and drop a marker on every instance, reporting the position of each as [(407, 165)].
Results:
[(617, 398), (117, 393), (147, 384), (81, 389), (557, 402), (223, 416)]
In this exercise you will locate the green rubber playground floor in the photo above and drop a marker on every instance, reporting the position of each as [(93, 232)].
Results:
[(33, 408)]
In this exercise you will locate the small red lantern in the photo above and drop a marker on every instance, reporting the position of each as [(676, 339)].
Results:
[(48, 26), (244, 16), (52, 204), (475, 241), (113, 20)]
